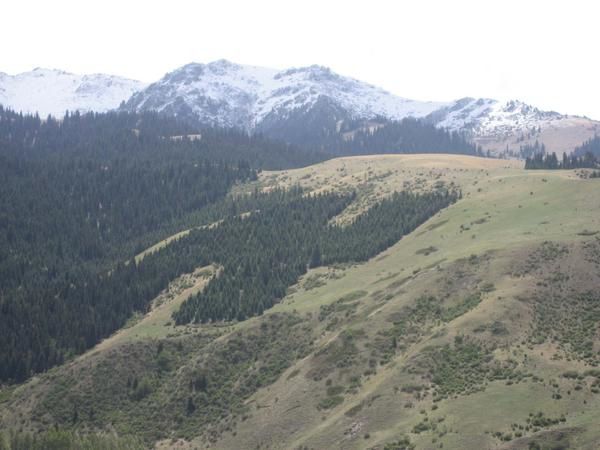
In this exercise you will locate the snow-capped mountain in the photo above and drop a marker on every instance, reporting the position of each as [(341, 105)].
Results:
[(485, 117), (304, 105), (227, 94), (508, 126), (49, 91)]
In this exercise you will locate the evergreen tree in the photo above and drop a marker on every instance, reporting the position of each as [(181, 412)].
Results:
[(315, 257), (590, 146), (550, 162)]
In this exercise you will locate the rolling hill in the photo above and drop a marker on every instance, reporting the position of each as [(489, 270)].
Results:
[(477, 330)]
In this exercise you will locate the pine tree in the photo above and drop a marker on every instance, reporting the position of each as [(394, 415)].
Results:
[(315, 257), (190, 406)]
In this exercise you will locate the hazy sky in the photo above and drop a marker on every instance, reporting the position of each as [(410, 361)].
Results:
[(544, 52)]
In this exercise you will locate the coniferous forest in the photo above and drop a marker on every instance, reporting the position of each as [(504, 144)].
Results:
[(75, 197), (81, 196), (408, 136), (551, 162), (334, 133), (265, 253), (590, 146)]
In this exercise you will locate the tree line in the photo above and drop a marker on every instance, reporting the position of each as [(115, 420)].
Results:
[(591, 145), (551, 162), (407, 136), (327, 128), (265, 253), (261, 254)]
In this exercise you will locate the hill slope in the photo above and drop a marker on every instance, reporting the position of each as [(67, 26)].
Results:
[(477, 330)]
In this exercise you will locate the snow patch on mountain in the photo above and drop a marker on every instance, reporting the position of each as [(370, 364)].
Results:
[(50, 91), (488, 117), (227, 94)]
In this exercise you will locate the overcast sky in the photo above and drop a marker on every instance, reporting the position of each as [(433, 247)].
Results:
[(546, 53)]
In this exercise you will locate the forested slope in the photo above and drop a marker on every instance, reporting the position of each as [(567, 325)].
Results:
[(80, 196)]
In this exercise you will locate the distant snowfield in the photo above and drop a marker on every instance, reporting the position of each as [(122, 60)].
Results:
[(48, 91)]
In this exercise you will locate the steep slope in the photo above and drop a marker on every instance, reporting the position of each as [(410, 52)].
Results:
[(478, 330), (48, 91)]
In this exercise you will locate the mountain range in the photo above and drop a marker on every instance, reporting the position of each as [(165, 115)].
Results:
[(165, 284), (290, 104)]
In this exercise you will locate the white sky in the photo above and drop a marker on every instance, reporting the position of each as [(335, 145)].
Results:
[(546, 53)]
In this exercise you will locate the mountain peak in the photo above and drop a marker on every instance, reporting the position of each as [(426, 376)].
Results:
[(223, 63), (228, 94), (52, 91)]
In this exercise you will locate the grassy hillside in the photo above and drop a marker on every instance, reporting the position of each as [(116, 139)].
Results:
[(478, 330)]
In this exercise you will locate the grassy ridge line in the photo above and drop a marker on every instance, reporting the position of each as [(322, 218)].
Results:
[(344, 173), (376, 177)]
